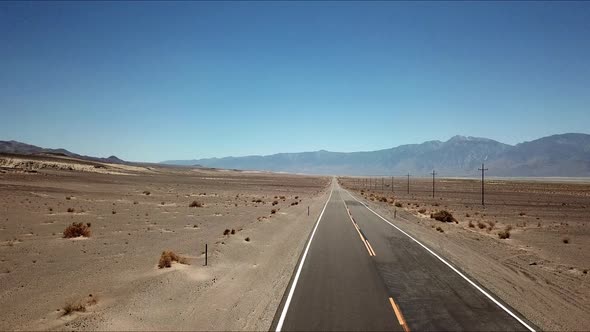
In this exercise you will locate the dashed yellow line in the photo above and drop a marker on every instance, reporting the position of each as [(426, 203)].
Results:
[(399, 315)]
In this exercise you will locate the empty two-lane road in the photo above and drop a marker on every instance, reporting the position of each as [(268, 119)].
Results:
[(359, 271)]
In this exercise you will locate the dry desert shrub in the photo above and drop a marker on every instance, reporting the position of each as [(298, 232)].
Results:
[(168, 257), (471, 225), (77, 229), (275, 202), (195, 204), (443, 215), (71, 307), (226, 232), (71, 210), (398, 204), (491, 225), (481, 225), (247, 239), (438, 228), (273, 211), (233, 231), (566, 240), (505, 233), (422, 211), (146, 192)]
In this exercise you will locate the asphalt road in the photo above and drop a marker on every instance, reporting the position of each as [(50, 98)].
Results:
[(360, 272)]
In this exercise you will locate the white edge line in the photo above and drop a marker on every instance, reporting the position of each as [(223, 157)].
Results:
[(450, 266), (294, 284)]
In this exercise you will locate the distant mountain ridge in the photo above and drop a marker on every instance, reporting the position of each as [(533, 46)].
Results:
[(565, 155), (23, 148)]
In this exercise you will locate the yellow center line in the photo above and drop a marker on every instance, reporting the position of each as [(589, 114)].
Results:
[(399, 315), (370, 247), (371, 253)]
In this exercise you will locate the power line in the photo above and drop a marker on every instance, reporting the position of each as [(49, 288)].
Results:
[(433, 174), (482, 169)]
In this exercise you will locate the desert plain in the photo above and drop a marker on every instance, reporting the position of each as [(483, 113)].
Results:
[(254, 224)]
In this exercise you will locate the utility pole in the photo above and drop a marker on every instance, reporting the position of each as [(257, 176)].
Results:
[(382, 183), (433, 174), (482, 169), (392, 184), (408, 183)]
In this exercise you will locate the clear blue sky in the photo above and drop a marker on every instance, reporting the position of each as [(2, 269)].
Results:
[(151, 81)]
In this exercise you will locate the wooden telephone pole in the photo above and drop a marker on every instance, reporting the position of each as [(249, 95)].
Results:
[(482, 169), (433, 174), (408, 183), (392, 184)]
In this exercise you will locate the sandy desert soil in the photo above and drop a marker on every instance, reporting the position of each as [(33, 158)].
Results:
[(135, 213), (541, 269)]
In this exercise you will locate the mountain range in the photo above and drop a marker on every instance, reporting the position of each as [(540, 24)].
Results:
[(566, 155), (23, 148)]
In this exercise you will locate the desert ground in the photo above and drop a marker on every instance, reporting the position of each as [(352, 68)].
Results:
[(541, 269), (110, 280)]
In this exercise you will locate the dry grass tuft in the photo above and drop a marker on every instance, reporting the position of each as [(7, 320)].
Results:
[(438, 228), (275, 203), (146, 192), (168, 257), (471, 225), (77, 229), (71, 210), (443, 215), (481, 225), (422, 211), (566, 240), (195, 204), (398, 204), (273, 211)]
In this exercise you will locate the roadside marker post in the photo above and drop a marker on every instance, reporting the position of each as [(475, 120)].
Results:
[(308, 210), (205, 254)]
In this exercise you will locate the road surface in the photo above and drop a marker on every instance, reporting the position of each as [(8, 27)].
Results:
[(359, 271)]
